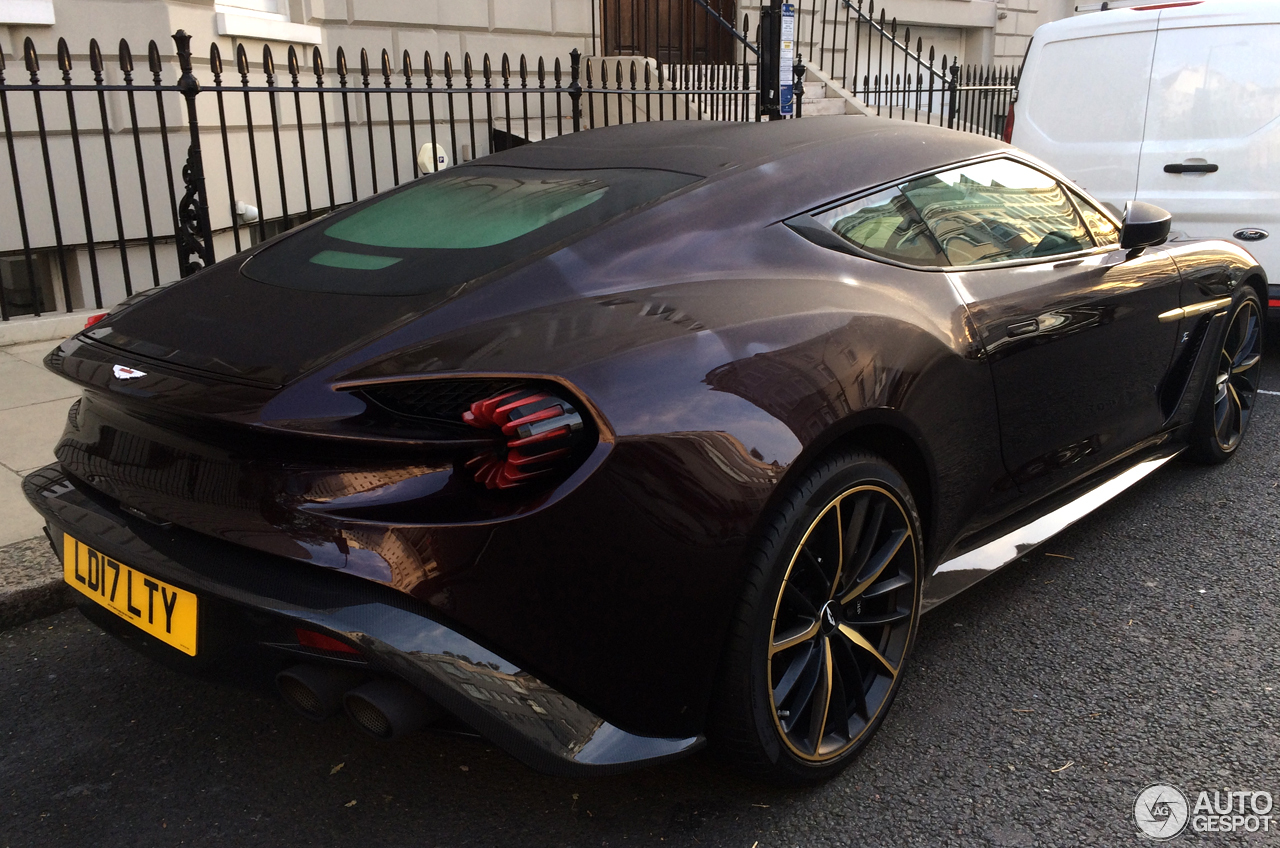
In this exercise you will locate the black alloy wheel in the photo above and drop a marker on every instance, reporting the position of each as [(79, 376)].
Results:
[(842, 622), (827, 623), (1229, 397)]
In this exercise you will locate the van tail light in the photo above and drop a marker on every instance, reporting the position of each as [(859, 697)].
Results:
[(1008, 124), (537, 434), (1154, 6)]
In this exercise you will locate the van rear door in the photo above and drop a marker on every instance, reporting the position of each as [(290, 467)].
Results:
[(1211, 149)]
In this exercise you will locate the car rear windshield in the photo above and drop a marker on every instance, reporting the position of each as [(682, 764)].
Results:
[(454, 226)]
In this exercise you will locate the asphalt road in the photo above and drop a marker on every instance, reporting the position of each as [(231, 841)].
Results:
[(1137, 647)]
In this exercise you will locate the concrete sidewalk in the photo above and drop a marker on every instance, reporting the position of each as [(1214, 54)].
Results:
[(33, 410)]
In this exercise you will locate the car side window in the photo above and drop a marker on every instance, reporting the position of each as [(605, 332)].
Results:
[(1105, 233), (996, 211), (885, 224)]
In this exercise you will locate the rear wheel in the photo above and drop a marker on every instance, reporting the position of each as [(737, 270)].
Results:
[(826, 623), (1229, 396)]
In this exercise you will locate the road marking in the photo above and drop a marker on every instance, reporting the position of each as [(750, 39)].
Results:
[(1265, 392)]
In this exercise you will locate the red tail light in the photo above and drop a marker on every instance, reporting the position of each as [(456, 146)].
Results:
[(321, 642), (93, 319), (539, 431), (1008, 125)]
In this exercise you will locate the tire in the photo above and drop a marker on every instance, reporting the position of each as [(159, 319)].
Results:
[(1230, 393), (798, 642)]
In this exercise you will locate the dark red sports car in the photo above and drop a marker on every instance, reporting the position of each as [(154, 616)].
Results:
[(615, 443)]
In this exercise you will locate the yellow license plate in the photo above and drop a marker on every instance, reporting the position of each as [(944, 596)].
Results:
[(153, 606)]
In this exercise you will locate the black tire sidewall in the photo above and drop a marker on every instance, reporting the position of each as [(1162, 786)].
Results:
[(1204, 440), (824, 483)]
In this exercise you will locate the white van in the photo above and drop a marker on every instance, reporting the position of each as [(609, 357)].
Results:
[(1176, 104)]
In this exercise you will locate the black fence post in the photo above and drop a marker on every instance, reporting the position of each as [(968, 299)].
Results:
[(954, 87), (767, 71), (37, 296), (575, 88), (194, 237), (798, 69)]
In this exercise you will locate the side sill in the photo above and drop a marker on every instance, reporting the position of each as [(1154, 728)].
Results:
[(959, 573)]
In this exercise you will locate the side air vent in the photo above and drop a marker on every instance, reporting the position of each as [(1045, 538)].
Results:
[(438, 400), (539, 432), (504, 433)]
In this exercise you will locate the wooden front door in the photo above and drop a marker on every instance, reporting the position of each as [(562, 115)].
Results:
[(671, 31)]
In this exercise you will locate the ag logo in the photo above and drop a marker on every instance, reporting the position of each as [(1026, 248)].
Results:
[(827, 618), (1161, 811), (123, 373)]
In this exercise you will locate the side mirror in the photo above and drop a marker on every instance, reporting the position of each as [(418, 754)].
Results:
[(1144, 225)]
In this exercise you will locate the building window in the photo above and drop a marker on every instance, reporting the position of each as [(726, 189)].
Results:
[(264, 19), (276, 9), (30, 12), (22, 294)]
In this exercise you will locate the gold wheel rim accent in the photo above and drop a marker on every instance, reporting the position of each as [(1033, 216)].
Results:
[(880, 561), (1232, 410)]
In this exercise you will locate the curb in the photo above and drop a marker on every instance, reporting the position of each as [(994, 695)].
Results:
[(31, 584)]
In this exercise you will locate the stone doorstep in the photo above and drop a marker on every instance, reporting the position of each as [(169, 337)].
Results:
[(31, 584), (50, 327), (823, 106)]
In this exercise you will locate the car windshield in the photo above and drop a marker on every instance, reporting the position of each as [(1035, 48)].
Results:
[(452, 227)]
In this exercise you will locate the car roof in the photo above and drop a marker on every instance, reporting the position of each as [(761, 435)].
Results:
[(1162, 15), (702, 148), (868, 150)]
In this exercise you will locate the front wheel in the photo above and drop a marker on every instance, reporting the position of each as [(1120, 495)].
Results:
[(827, 620), (1229, 396)]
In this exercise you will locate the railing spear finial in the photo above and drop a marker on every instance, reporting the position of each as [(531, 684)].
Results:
[(194, 238)]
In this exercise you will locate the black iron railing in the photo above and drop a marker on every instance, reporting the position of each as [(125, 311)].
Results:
[(136, 181), (873, 58), (139, 176)]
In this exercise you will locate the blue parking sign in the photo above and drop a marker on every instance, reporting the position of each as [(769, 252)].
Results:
[(786, 60)]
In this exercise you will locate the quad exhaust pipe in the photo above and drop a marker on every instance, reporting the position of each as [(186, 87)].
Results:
[(384, 708), (316, 691)]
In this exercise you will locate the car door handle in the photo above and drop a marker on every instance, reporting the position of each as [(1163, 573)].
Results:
[(1178, 168), (1023, 328)]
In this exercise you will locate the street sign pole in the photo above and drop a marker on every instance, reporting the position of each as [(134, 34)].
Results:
[(787, 59)]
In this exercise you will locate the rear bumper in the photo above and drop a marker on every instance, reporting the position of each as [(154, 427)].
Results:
[(249, 598)]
